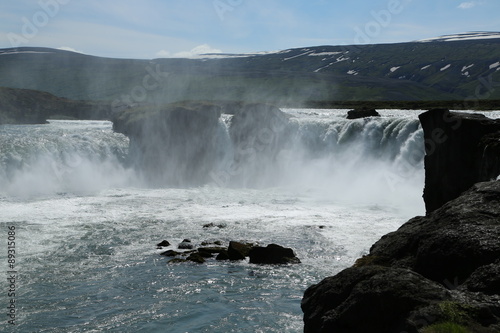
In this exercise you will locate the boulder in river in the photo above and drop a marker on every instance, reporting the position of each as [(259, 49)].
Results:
[(272, 254)]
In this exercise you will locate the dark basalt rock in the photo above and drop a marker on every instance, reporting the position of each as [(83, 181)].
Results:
[(443, 267), (451, 242), (223, 255), (485, 279), (185, 245), (171, 253), (461, 150), (163, 243), (368, 299), (213, 225), (489, 164), (182, 144), (238, 251), (258, 132), (210, 251), (362, 113), (196, 257), (217, 242), (272, 254), (172, 145)]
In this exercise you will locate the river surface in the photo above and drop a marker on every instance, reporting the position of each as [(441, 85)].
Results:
[(86, 228)]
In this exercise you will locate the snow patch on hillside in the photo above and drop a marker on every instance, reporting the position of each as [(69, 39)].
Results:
[(321, 54), (463, 36), (467, 67), (23, 52), (299, 55), (495, 65), (237, 55), (321, 68), (445, 67)]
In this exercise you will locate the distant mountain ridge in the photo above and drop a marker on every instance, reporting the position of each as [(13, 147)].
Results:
[(463, 67), (463, 36)]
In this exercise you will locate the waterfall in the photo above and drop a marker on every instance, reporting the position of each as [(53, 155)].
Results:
[(60, 157), (343, 158)]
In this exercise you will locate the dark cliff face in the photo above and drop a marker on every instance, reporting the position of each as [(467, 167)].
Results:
[(258, 132), (440, 269), (461, 150), (172, 145), (437, 273), (22, 106), (188, 144)]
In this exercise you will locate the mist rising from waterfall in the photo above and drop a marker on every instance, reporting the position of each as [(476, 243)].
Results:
[(372, 160), (74, 157)]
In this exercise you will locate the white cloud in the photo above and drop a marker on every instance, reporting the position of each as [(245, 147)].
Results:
[(70, 49), (195, 52), (467, 5), (106, 40), (163, 54)]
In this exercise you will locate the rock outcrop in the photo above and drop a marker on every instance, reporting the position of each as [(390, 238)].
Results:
[(173, 145), (238, 250), (272, 254), (368, 299), (461, 150), (438, 270), (23, 106), (188, 144), (362, 113)]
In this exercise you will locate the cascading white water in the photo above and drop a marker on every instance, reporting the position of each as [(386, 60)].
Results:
[(373, 159), (63, 156), (365, 158), (86, 227)]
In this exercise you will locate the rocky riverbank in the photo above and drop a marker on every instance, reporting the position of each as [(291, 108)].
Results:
[(435, 271), (438, 273)]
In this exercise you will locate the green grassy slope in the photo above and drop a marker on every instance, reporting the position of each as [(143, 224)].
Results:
[(462, 70)]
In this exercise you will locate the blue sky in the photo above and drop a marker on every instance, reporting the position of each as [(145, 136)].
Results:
[(169, 28)]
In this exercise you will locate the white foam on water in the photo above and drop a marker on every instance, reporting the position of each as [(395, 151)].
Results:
[(88, 260)]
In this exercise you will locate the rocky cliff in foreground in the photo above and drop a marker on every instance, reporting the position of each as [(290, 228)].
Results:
[(461, 150), (438, 273)]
